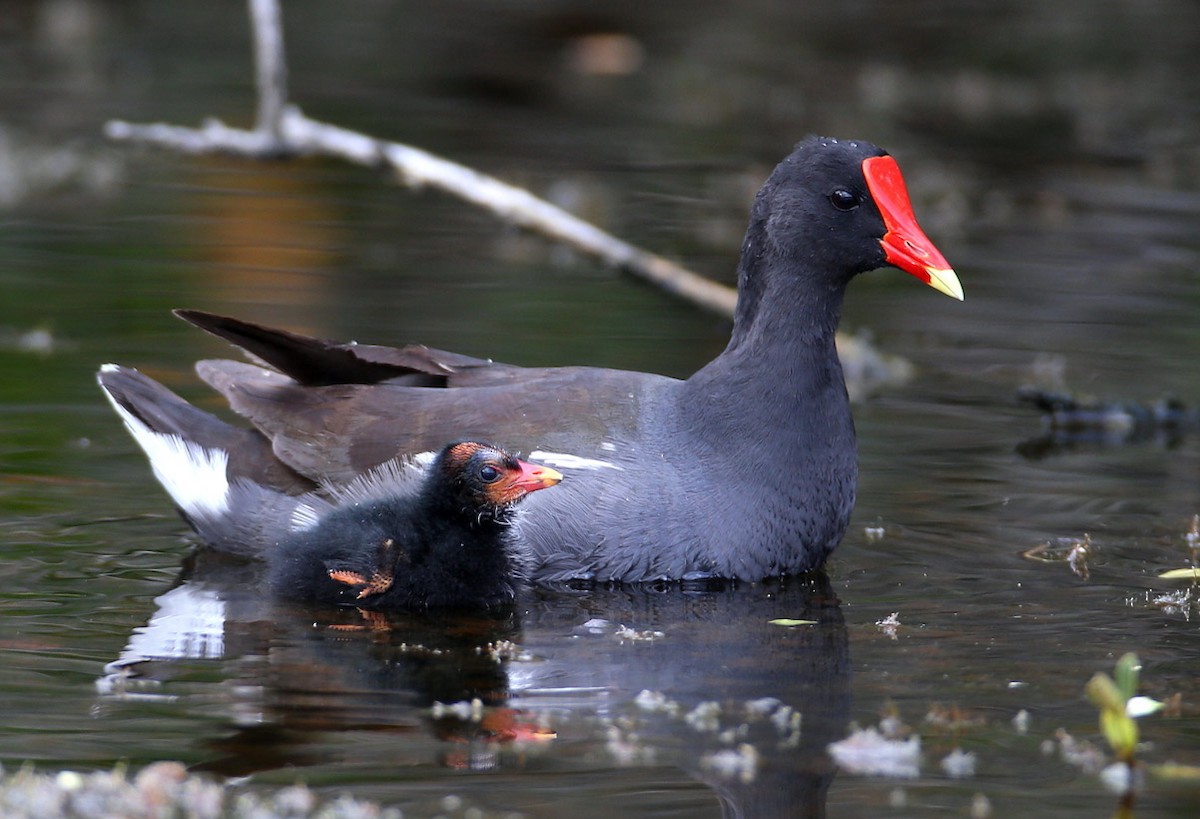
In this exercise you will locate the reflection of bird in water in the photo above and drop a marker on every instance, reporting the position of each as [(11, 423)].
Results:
[(736, 709)]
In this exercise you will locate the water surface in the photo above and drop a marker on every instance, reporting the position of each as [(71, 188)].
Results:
[(1051, 155)]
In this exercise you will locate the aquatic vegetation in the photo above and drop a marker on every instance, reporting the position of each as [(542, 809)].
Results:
[(1120, 707), (1191, 572)]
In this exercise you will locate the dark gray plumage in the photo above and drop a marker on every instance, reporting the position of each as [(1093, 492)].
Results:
[(745, 470)]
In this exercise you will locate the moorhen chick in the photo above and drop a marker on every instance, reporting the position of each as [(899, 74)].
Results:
[(403, 536), (744, 470)]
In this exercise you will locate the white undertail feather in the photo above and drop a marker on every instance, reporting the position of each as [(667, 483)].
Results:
[(193, 476)]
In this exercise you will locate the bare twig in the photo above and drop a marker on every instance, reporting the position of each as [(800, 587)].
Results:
[(270, 65), (283, 130)]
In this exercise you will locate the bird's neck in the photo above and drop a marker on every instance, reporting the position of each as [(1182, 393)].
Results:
[(775, 399), (785, 300), (782, 352), (772, 416)]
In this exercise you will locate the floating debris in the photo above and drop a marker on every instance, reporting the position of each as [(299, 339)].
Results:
[(728, 724), (165, 789), (605, 54), (656, 702), (38, 341), (1184, 602), (740, 763), (466, 711), (893, 727), (625, 633), (1078, 752), (875, 533), (1192, 538), (891, 724), (1075, 552), (1142, 706), (505, 650), (889, 624), (596, 625), (1120, 778), (952, 718), (788, 621), (981, 807), (627, 748), (763, 706), (1021, 722), (959, 764), (869, 753), (705, 717), (29, 168), (1190, 573)]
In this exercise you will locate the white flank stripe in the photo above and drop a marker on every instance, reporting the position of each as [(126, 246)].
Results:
[(193, 476), (571, 461)]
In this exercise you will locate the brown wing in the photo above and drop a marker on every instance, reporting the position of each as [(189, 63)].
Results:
[(333, 433), (332, 410)]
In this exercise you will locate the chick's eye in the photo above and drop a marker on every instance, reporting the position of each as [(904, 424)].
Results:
[(843, 199), (489, 473)]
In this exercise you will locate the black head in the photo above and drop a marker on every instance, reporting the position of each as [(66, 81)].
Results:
[(836, 208), (483, 481), (816, 208)]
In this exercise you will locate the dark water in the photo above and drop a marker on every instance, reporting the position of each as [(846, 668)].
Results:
[(1052, 153)]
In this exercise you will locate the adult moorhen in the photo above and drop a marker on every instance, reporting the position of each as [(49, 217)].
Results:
[(744, 470), (403, 536)]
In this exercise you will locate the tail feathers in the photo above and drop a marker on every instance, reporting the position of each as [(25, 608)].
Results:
[(159, 410), (189, 452)]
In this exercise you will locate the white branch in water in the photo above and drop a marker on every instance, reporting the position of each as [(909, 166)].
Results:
[(417, 168), (213, 136), (282, 130), (299, 135), (270, 66)]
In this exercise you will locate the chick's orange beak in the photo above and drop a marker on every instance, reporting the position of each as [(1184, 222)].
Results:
[(533, 477), (905, 245)]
